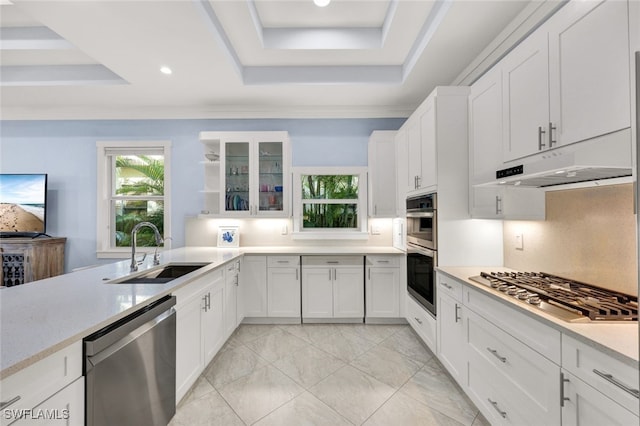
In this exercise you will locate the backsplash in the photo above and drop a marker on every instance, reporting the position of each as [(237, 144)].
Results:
[(589, 235), (269, 232)]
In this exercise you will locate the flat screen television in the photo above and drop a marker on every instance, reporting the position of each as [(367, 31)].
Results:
[(23, 205)]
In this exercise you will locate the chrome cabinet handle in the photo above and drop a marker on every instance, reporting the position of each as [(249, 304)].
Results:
[(541, 132), (609, 378), (496, 354), (418, 320), (562, 397), (204, 299), (335, 274), (5, 404), (458, 318), (498, 204), (369, 271), (329, 274), (446, 285), (375, 209), (551, 129), (495, 405), (419, 178)]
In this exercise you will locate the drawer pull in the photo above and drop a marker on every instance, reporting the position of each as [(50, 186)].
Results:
[(458, 317), (283, 261), (446, 285), (333, 262), (496, 354), (5, 404), (495, 405), (382, 261), (562, 397), (418, 320), (609, 378)]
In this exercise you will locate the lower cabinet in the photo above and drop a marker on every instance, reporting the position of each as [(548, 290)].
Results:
[(54, 385), (333, 287), (452, 329), (253, 283), (586, 406), (382, 287), (422, 323), (231, 283), (200, 328), (283, 286)]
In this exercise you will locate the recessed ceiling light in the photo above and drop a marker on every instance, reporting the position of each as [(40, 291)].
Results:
[(321, 3), (165, 70)]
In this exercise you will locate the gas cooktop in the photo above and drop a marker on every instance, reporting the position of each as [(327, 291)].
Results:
[(566, 299)]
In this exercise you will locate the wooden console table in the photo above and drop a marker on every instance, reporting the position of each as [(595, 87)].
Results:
[(30, 259)]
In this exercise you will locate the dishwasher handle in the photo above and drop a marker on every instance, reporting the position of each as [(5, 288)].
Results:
[(94, 360), (102, 339)]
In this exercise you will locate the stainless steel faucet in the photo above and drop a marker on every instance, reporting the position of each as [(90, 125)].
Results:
[(134, 233)]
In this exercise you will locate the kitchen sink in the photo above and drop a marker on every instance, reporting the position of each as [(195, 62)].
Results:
[(162, 275)]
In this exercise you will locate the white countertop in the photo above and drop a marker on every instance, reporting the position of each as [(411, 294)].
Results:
[(42, 317), (619, 340)]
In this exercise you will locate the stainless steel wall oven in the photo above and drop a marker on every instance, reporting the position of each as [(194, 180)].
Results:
[(422, 254)]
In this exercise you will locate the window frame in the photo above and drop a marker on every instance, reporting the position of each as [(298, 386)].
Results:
[(105, 182), (359, 233)]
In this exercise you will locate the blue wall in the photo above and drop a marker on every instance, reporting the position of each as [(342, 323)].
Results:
[(66, 150)]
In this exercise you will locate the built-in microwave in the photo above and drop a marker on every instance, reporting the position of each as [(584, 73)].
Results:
[(422, 221), (422, 254)]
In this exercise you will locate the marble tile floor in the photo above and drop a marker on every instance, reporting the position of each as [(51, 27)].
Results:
[(326, 374)]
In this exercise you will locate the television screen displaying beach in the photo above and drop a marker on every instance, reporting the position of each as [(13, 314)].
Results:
[(22, 203)]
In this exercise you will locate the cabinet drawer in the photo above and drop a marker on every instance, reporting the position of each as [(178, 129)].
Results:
[(232, 267), (39, 381), (450, 286), (487, 393), (383, 261), (282, 261), (531, 379), (196, 286), (422, 322), (333, 261), (612, 377), (538, 336)]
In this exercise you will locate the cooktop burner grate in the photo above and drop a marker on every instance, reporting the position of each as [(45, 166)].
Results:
[(593, 302)]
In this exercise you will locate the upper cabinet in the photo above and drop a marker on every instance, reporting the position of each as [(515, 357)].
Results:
[(246, 173), (568, 81), (382, 174)]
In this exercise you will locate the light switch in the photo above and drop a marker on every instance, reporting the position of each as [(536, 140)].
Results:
[(375, 229), (285, 230), (519, 242)]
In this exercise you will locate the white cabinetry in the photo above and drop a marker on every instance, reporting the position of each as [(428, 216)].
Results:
[(231, 284), (53, 383), (251, 176), (382, 288), (253, 283), (598, 389), (333, 287), (402, 171), (485, 158), (382, 174), (569, 80), (283, 286), (451, 334), (422, 322), (200, 330), (421, 161)]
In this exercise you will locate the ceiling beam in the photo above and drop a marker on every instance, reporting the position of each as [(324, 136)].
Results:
[(58, 75), (31, 38), (322, 38), (336, 75)]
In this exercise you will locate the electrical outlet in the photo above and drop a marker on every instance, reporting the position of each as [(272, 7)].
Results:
[(375, 230), (519, 242)]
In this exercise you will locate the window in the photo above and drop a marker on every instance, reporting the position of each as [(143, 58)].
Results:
[(133, 186), (330, 203)]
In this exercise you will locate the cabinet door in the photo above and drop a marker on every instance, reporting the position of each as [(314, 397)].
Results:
[(402, 171), (67, 405), (383, 292), (486, 202), (589, 70), (414, 151), (451, 337), (317, 292), (348, 292), (271, 184), (236, 172), (188, 344), (230, 303), (253, 278), (213, 322), (283, 290), (429, 176), (586, 406), (382, 174), (525, 85), (485, 127)]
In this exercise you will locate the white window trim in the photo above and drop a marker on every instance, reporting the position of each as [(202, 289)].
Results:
[(330, 234), (103, 214)]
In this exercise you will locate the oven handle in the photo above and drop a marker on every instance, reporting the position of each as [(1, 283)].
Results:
[(420, 214), (412, 248)]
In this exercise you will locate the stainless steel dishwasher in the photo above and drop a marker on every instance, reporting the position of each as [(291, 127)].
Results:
[(130, 368)]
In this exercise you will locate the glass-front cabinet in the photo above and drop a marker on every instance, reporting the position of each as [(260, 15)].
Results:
[(251, 173)]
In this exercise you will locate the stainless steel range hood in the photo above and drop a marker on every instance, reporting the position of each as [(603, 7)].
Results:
[(599, 159)]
